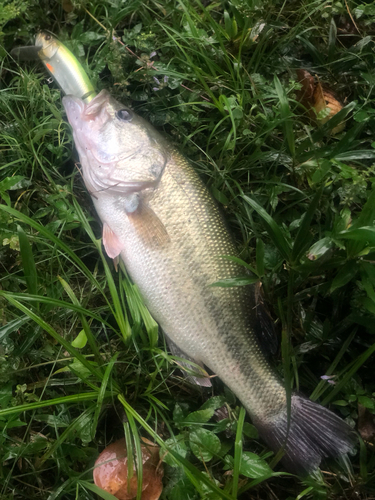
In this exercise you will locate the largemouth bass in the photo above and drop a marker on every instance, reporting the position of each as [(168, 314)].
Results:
[(160, 219)]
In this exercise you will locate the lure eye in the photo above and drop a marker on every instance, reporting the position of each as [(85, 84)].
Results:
[(124, 115)]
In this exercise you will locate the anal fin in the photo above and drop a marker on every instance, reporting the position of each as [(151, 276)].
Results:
[(204, 380)]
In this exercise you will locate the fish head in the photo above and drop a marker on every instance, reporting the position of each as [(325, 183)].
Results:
[(118, 149), (48, 44)]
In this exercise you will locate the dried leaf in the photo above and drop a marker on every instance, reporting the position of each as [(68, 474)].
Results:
[(111, 471), (67, 6), (366, 424), (305, 95), (322, 99)]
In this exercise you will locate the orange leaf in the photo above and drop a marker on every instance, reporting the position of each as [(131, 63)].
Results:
[(366, 424), (314, 95), (305, 95)]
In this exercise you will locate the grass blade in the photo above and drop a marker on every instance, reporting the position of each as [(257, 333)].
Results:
[(98, 491), (285, 115), (323, 386), (119, 312), (89, 335), (129, 454), (302, 241), (260, 257), (355, 366), (51, 237), (273, 228), (66, 434), (28, 262), (58, 304), (102, 393), (138, 455), (238, 452), (51, 331), (73, 398)]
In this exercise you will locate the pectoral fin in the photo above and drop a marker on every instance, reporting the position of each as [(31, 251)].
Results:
[(202, 378), (111, 243), (148, 226)]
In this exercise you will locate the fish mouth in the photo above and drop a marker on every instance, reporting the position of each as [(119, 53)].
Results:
[(77, 110), (74, 108), (97, 104), (87, 121)]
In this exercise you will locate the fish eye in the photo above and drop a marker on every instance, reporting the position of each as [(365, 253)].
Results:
[(124, 115), (47, 37)]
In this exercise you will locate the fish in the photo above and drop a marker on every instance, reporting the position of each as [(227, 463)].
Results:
[(161, 220), (61, 63)]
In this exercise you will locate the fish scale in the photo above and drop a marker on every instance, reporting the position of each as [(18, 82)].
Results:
[(161, 219)]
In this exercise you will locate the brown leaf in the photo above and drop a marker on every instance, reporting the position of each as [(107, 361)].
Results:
[(67, 6), (314, 95), (111, 471), (366, 424), (305, 95), (323, 99)]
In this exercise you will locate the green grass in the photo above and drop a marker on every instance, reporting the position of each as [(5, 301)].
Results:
[(81, 363)]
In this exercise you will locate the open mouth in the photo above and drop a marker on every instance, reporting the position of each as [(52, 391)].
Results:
[(77, 110), (74, 108), (96, 105)]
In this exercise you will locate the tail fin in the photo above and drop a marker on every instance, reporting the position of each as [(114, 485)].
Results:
[(314, 433)]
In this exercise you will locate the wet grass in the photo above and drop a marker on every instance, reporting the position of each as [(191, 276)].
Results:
[(81, 362)]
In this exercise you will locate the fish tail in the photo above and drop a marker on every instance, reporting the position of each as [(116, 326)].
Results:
[(314, 433)]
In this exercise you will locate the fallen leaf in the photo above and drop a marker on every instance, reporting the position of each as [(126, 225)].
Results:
[(324, 99), (314, 96), (366, 424), (305, 95), (67, 6), (111, 471)]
